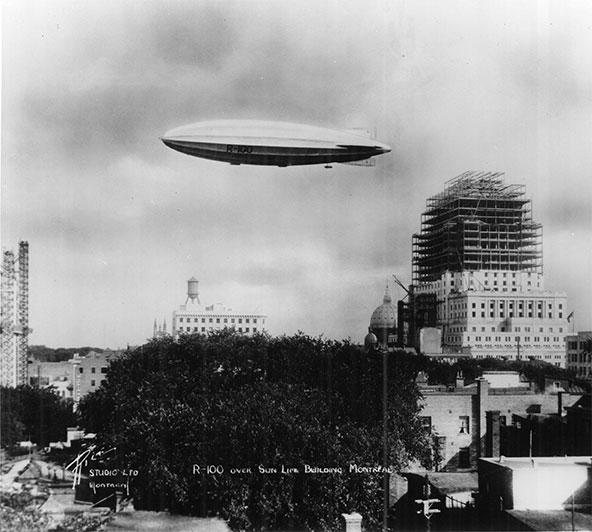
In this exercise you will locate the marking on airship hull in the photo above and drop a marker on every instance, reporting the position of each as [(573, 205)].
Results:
[(270, 144), (235, 148)]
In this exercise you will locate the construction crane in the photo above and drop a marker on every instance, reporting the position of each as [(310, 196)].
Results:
[(399, 283)]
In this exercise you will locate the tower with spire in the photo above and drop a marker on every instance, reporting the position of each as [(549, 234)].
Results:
[(160, 331)]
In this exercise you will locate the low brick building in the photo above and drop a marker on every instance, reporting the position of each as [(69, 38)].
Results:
[(457, 415)]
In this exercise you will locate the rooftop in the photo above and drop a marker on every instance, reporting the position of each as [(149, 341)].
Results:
[(523, 462), (553, 519)]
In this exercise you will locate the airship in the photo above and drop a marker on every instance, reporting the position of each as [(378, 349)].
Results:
[(267, 143)]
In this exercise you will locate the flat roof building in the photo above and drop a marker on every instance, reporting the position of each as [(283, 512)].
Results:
[(578, 349), (89, 371), (459, 415), (544, 493), (477, 262), (196, 318)]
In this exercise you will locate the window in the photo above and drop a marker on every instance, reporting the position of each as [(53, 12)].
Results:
[(426, 422), (81, 370), (463, 422), (92, 383), (464, 458), (104, 369)]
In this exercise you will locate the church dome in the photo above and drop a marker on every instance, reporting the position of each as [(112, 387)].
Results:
[(383, 322), (384, 316)]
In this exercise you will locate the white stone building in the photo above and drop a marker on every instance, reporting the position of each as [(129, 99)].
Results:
[(480, 254), (194, 317)]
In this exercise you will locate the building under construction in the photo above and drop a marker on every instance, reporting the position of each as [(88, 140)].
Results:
[(14, 337), (478, 274), (477, 223)]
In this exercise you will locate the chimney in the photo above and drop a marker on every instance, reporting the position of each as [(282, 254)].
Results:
[(492, 436), (482, 402), (560, 403)]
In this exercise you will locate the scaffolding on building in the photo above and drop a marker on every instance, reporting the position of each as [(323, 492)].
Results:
[(14, 325), (477, 223)]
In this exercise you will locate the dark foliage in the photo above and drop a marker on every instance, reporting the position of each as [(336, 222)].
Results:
[(536, 371), (61, 354), (36, 413), (243, 402)]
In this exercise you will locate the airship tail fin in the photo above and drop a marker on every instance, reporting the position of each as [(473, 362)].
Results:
[(363, 162)]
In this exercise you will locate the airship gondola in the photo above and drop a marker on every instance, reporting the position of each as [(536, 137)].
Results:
[(271, 143)]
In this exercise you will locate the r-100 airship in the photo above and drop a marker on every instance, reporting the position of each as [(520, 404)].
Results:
[(271, 143)]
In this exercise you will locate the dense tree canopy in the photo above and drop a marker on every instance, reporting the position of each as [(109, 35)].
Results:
[(61, 354), (256, 407), (36, 413), (533, 370)]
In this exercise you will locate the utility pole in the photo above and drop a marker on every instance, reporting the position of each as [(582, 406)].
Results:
[(426, 505)]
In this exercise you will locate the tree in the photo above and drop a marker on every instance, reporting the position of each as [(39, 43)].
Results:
[(235, 426), (36, 413)]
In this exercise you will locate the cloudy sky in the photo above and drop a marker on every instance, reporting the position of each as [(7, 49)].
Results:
[(117, 222)]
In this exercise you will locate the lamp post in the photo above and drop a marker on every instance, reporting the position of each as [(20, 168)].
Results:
[(371, 344), (385, 474)]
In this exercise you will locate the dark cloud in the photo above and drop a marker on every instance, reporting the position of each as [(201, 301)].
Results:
[(89, 87), (201, 38)]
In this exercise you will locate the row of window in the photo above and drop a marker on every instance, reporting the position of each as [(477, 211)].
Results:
[(527, 346), (464, 426), (509, 339), (582, 371), (511, 357), (93, 369), (211, 329), (580, 357), (502, 314), (211, 320), (462, 328), (459, 308)]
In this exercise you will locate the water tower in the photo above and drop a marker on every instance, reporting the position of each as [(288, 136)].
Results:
[(193, 290)]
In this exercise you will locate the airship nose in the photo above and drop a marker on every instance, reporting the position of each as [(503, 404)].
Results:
[(166, 141), (383, 148)]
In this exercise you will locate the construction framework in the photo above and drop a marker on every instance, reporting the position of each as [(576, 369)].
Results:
[(477, 223), (14, 326)]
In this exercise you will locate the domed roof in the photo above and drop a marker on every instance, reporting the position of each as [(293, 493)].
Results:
[(385, 316), (370, 341)]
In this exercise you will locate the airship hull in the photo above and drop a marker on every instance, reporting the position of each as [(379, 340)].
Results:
[(270, 143)]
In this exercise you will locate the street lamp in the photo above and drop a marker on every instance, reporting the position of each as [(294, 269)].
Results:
[(371, 344)]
